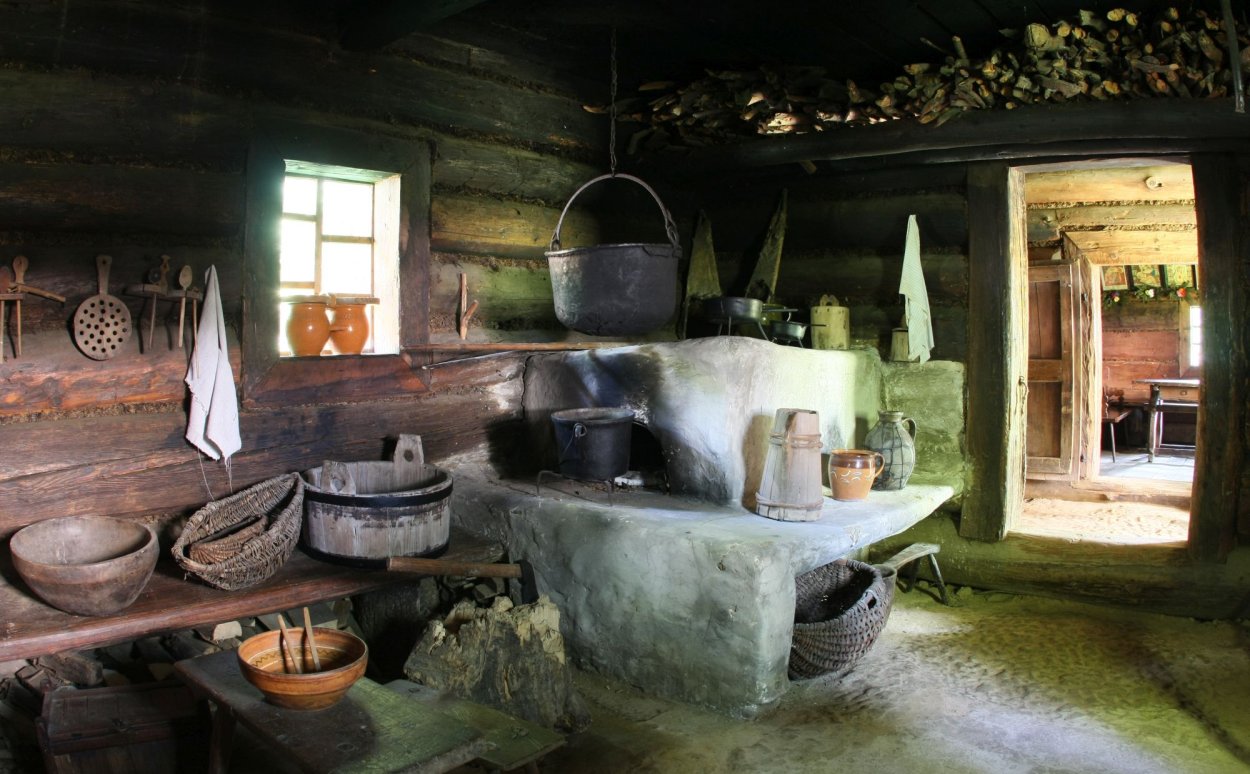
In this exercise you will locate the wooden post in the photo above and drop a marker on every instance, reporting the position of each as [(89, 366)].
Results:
[(1223, 252), (998, 258)]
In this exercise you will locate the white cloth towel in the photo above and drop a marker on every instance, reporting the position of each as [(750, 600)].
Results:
[(911, 285), (213, 422)]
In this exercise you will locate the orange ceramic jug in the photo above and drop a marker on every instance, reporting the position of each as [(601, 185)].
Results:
[(349, 330), (852, 471)]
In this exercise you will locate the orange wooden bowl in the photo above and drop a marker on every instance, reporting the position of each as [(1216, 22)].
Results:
[(343, 658)]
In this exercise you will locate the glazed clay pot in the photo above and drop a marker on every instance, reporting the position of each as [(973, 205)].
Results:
[(349, 329), (308, 329), (852, 471)]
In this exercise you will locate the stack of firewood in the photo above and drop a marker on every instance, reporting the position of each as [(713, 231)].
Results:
[(1115, 55)]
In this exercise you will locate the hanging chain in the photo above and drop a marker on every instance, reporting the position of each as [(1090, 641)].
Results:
[(612, 111)]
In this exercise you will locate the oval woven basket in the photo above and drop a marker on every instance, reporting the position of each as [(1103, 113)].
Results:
[(279, 502), (840, 609)]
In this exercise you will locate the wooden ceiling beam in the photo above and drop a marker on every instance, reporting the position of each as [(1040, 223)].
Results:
[(1115, 248), (372, 24), (1162, 183), (1048, 223)]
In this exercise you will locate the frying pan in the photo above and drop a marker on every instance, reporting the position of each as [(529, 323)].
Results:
[(102, 322)]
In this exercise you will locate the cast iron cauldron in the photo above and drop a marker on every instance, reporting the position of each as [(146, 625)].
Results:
[(593, 443), (617, 289)]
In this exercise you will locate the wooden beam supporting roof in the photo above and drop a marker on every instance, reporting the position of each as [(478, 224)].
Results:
[(371, 24), (1077, 130)]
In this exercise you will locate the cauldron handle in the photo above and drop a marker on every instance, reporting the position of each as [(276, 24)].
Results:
[(669, 227)]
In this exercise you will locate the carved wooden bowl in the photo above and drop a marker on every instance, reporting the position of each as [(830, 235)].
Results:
[(89, 565), (343, 659)]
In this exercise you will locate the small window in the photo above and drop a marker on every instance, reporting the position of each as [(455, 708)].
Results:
[(1193, 335), (339, 236)]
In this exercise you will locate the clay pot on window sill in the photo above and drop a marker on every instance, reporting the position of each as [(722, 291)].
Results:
[(349, 328), (308, 329)]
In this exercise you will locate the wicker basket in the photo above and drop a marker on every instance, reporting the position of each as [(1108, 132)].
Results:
[(839, 611), (280, 504)]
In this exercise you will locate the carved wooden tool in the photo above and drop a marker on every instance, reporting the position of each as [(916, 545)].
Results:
[(161, 287), (102, 322), (184, 282), (20, 264), (6, 281)]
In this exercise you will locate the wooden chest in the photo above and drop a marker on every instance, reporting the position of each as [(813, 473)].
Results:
[(150, 727)]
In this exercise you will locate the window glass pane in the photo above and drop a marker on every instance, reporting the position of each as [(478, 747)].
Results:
[(346, 268), (297, 257), (347, 209), (1195, 335), (299, 195)]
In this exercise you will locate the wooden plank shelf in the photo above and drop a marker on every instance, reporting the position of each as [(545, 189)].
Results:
[(171, 602)]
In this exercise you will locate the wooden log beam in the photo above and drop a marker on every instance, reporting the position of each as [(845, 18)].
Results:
[(1113, 248), (1048, 223), (1034, 131), (372, 24), (1160, 183)]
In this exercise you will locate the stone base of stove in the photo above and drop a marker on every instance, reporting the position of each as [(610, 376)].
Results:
[(682, 599), (691, 597)]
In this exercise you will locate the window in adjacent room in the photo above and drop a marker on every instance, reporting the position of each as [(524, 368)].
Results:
[(340, 236), (1193, 336)]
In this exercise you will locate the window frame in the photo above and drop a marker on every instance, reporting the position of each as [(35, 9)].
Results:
[(268, 378)]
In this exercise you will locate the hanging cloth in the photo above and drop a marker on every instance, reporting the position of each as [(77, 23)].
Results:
[(213, 421), (702, 280), (763, 283), (917, 320)]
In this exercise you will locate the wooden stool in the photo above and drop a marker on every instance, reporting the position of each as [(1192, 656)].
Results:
[(911, 554), (1112, 418), (370, 729)]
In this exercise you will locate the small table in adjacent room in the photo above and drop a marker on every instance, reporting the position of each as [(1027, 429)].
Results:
[(1175, 395)]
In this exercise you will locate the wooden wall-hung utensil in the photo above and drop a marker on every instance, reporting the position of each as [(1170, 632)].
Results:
[(184, 282), (6, 282), (20, 264), (160, 288), (102, 322)]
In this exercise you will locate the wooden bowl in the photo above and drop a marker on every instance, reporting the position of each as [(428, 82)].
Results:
[(89, 565), (343, 658)]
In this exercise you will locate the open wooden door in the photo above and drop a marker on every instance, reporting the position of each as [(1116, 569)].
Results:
[(1051, 426)]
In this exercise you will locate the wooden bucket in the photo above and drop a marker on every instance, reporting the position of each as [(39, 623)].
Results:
[(362, 513), (790, 487)]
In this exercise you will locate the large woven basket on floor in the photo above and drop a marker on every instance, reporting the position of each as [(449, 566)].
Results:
[(278, 502), (840, 609)]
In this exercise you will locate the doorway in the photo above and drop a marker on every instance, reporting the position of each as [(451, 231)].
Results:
[(1112, 283)]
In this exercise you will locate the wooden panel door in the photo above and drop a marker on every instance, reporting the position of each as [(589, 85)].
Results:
[(1050, 426)]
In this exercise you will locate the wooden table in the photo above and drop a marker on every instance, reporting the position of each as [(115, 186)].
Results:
[(1182, 395), (371, 729)]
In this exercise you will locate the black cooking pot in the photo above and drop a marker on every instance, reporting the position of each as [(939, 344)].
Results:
[(593, 443)]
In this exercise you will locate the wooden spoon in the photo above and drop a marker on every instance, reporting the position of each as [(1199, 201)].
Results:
[(286, 644), (184, 282), (311, 641)]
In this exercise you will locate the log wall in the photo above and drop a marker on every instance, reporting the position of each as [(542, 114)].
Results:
[(124, 130)]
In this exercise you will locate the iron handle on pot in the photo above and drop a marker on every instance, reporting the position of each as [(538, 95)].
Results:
[(669, 227)]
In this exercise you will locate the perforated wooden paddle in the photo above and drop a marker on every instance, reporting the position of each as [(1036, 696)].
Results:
[(102, 322)]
